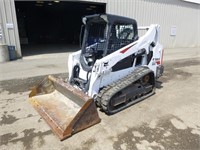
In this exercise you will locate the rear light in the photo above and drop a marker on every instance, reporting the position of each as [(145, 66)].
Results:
[(158, 62)]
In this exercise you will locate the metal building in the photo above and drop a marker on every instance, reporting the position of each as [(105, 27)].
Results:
[(179, 19)]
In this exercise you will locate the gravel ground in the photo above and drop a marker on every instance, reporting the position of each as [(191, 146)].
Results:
[(170, 119)]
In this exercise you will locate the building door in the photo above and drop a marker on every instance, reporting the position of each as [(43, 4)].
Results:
[(52, 26)]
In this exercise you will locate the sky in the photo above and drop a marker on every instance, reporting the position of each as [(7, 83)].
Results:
[(194, 1)]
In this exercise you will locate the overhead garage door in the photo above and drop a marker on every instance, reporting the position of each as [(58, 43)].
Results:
[(51, 26)]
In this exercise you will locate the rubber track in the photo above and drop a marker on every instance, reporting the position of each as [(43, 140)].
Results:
[(106, 93)]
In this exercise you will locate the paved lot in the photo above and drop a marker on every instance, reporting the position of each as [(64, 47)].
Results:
[(170, 119)]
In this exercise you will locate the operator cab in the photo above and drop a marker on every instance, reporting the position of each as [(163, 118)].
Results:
[(104, 34)]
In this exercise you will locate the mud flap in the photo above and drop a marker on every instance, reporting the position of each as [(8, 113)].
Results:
[(66, 109)]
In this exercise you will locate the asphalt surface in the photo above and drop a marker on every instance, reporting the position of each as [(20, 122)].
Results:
[(170, 119)]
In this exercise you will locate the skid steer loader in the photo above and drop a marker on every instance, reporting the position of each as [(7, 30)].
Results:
[(114, 69)]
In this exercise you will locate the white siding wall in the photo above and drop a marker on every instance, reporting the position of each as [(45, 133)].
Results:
[(198, 27), (8, 15), (185, 16)]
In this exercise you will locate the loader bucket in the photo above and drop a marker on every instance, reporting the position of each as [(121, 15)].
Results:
[(66, 109)]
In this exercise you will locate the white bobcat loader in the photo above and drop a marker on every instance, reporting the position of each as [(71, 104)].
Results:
[(114, 69)]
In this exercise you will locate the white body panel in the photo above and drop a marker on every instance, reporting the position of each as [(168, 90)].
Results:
[(102, 73)]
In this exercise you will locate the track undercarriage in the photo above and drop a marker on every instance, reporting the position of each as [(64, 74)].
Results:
[(131, 89)]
